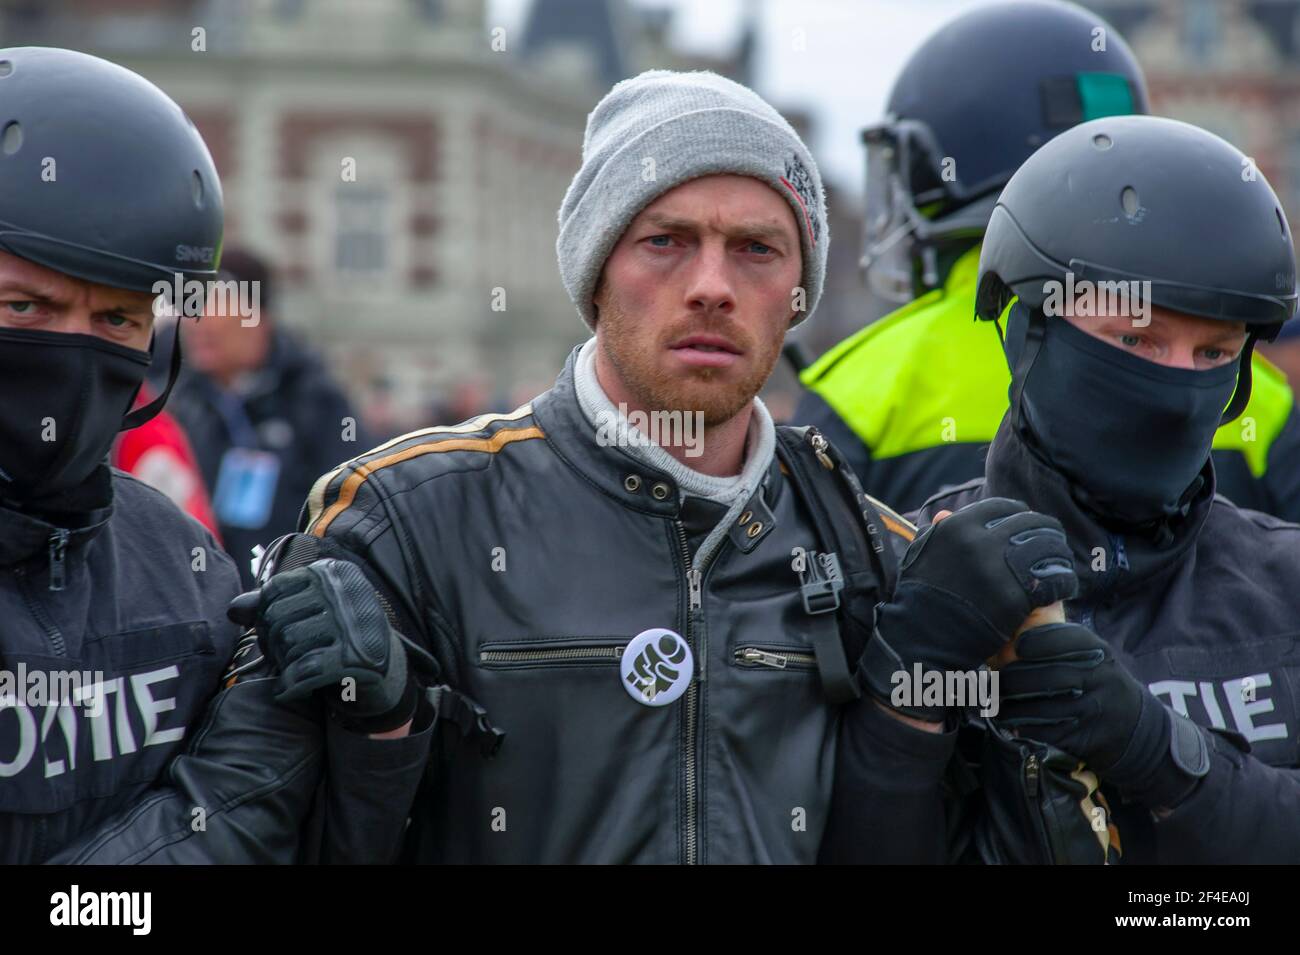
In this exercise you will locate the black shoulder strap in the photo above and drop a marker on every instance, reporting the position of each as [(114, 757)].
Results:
[(851, 531)]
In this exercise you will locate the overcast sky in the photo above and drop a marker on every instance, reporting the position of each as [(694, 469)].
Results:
[(851, 51)]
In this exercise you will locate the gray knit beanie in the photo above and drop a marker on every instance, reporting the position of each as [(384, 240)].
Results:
[(655, 131)]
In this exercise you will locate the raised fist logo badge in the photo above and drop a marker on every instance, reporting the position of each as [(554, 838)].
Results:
[(657, 667)]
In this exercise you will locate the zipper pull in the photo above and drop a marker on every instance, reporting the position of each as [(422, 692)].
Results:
[(693, 582), (1031, 774), (751, 655), (58, 546), (819, 446)]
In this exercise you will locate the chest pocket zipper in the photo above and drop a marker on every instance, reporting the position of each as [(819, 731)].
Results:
[(501, 656), (777, 658)]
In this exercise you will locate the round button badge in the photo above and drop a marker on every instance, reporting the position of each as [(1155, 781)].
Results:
[(657, 667)]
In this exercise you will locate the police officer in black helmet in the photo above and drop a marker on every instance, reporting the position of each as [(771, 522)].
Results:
[(114, 600), (915, 398), (1141, 259), (115, 603)]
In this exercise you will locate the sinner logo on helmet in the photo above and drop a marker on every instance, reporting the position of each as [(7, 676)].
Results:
[(193, 253)]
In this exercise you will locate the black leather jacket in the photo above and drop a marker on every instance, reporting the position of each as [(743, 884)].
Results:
[(527, 556), (523, 556)]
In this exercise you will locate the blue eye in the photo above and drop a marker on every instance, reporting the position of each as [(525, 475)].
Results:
[(1132, 341), (759, 247), (655, 239), (20, 308)]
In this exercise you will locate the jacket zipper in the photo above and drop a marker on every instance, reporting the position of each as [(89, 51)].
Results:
[(694, 601), (753, 656), (1087, 613), (57, 643), (58, 549), (601, 654), (694, 605), (1031, 773)]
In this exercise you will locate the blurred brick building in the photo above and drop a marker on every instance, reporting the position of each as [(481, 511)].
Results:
[(401, 162), (1231, 66)]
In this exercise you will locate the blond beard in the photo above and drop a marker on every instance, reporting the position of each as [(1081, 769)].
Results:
[(700, 392)]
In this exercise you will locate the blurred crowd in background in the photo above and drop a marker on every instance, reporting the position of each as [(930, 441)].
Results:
[(392, 171)]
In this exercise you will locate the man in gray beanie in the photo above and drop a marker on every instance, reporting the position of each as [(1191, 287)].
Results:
[(692, 238), (658, 130), (640, 643)]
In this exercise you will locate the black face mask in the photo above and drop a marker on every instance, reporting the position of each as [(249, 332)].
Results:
[(1132, 435), (63, 398)]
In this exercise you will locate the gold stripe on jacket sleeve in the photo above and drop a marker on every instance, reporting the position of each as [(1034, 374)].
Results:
[(354, 480)]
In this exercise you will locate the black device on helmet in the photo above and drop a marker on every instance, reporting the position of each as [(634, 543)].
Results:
[(973, 103), (104, 178)]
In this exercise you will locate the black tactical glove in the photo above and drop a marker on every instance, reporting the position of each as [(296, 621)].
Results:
[(965, 586), (1066, 688), (324, 629)]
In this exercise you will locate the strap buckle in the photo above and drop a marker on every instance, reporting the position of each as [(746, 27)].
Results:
[(821, 581), (468, 717)]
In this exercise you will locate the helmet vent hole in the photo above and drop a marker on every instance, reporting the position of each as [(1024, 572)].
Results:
[(6, 67), (196, 185), (11, 138), (1281, 220), (1129, 200), (1102, 141)]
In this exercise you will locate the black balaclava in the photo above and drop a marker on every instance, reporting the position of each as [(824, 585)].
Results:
[(65, 396), (1132, 436)]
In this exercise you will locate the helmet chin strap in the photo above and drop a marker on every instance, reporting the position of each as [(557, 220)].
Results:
[(1241, 397), (145, 413), (1033, 341)]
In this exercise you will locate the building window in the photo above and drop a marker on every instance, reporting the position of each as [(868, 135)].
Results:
[(1201, 28), (362, 216)]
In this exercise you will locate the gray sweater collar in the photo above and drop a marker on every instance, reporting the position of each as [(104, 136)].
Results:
[(605, 418)]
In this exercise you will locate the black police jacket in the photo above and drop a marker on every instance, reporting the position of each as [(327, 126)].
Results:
[(264, 782), (1209, 620), (114, 638)]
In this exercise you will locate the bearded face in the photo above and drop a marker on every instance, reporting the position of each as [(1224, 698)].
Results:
[(696, 297)]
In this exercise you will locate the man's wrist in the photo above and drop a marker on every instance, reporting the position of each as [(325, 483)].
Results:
[(389, 721), (401, 732), (920, 724)]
